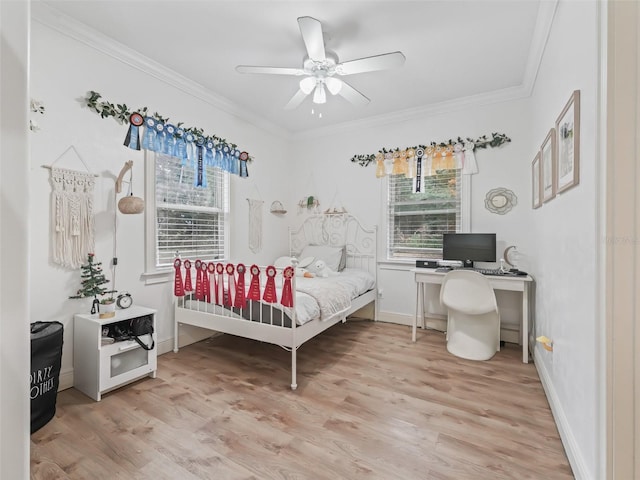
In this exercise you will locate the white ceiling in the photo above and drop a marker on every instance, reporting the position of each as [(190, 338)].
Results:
[(454, 49)]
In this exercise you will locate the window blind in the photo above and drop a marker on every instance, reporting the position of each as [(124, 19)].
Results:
[(418, 220), (189, 220)]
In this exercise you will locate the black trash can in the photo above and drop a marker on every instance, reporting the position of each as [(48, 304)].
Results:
[(46, 358)]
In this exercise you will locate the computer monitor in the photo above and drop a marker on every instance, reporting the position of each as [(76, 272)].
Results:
[(469, 247)]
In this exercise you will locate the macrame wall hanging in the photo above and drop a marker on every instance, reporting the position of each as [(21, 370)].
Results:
[(72, 222), (255, 224)]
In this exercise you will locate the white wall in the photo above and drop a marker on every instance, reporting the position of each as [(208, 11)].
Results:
[(325, 164), (564, 234), (62, 71), (14, 240)]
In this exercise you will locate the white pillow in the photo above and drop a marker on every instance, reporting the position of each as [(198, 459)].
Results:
[(332, 256)]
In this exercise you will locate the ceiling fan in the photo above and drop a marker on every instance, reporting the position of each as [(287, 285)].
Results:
[(321, 67)]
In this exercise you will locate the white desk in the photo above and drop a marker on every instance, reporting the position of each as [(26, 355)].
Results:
[(498, 282)]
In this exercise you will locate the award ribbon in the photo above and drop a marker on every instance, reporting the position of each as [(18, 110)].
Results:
[(149, 133), (244, 156), (158, 145), (187, 282), (206, 289), (200, 177), (287, 296), (240, 300), (178, 288), (270, 288), (417, 181), (211, 268), (254, 288), (199, 293), (220, 284), (169, 140), (132, 140), (180, 147), (231, 285)]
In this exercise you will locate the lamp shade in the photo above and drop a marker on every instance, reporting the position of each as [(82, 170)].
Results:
[(334, 85), (319, 96), (307, 85)]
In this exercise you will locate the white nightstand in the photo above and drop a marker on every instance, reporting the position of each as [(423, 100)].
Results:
[(99, 368)]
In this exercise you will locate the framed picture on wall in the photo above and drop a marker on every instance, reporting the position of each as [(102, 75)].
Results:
[(568, 140), (548, 166), (536, 184)]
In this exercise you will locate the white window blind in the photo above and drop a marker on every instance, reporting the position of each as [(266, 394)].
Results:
[(418, 220), (189, 220)]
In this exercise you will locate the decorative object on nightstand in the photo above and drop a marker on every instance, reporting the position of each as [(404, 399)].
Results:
[(107, 307), (124, 300), (92, 281)]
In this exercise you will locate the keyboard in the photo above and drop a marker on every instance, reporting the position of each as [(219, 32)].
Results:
[(489, 271)]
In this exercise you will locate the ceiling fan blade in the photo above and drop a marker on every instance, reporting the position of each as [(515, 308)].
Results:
[(296, 100), (311, 30), (269, 70), (384, 61), (353, 95)]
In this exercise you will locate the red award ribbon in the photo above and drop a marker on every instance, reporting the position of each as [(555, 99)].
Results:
[(240, 300), (231, 285), (178, 288), (287, 296), (270, 288), (211, 268), (206, 290), (220, 284), (199, 293), (254, 288), (187, 280)]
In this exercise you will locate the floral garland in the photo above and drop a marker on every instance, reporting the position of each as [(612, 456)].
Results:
[(187, 143), (469, 144)]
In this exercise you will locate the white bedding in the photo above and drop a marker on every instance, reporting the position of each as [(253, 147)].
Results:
[(316, 298)]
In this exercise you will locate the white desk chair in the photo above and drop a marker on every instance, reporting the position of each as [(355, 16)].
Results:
[(473, 325)]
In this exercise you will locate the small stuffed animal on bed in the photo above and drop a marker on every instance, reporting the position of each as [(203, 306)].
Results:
[(303, 272), (319, 267)]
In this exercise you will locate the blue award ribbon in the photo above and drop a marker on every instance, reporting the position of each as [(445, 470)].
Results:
[(200, 177), (217, 161), (180, 148), (225, 157), (189, 138), (235, 168), (158, 145), (208, 155), (149, 133), (169, 140)]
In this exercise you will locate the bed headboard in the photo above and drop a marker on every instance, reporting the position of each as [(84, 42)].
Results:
[(337, 230)]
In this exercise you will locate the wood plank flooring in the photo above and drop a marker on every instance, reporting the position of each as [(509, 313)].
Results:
[(370, 404)]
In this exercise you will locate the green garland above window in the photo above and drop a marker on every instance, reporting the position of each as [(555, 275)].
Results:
[(190, 144), (450, 147)]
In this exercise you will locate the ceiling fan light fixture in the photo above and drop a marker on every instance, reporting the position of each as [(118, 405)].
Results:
[(319, 96), (307, 85), (334, 85)]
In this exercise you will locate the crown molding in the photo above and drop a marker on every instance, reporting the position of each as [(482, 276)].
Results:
[(62, 23), (72, 28)]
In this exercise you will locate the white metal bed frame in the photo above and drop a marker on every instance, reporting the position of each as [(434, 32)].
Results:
[(332, 230)]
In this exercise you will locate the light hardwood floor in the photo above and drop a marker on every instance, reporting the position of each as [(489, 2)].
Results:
[(370, 404)]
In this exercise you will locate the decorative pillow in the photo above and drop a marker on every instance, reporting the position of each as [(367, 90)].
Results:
[(333, 257)]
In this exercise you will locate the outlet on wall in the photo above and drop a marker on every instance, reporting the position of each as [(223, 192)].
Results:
[(380, 290)]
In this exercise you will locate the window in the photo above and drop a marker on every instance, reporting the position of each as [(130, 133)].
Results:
[(186, 219), (416, 221)]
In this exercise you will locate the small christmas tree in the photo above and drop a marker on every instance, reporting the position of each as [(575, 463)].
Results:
[(92, 281)]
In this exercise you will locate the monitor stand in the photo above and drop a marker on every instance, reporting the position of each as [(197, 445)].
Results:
[(467, 263)]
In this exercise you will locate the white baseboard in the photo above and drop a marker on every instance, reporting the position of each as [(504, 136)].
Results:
[(576, 459), (65, 380)]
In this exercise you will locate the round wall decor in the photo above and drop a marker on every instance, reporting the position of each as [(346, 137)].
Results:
[(500, 200)]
